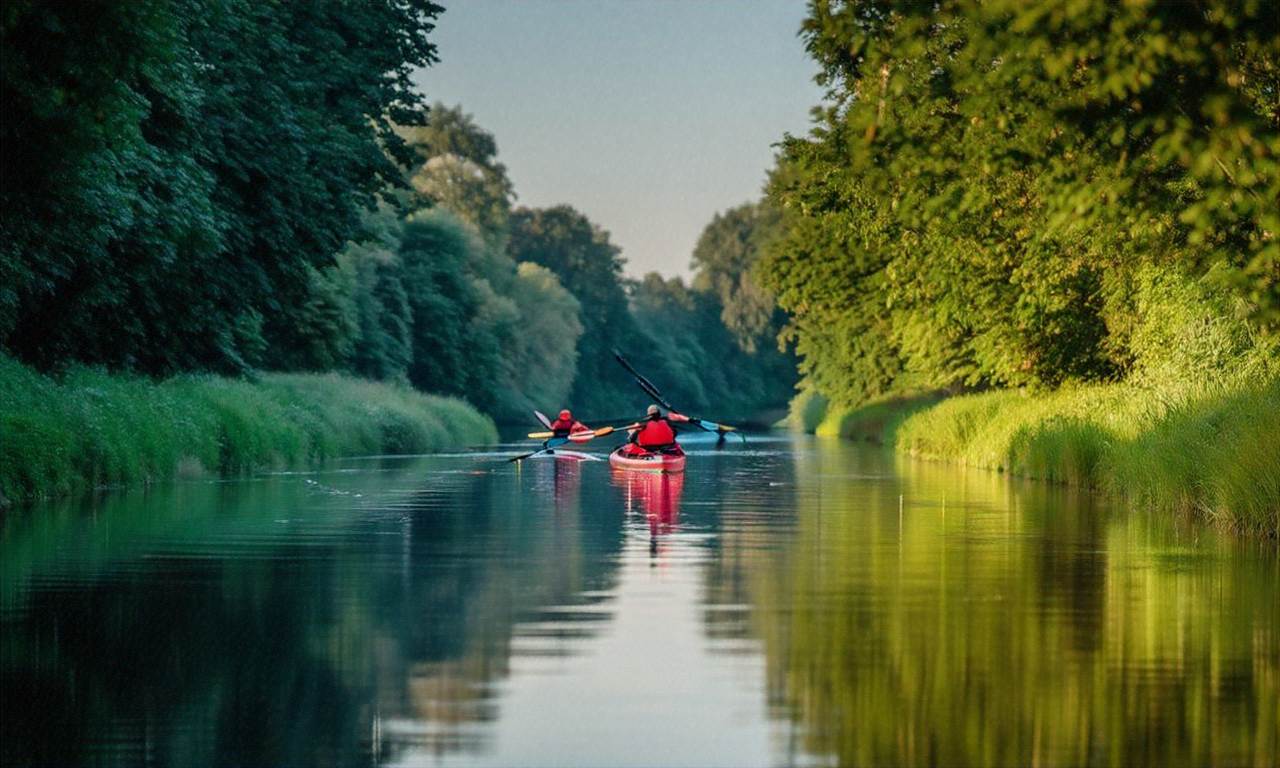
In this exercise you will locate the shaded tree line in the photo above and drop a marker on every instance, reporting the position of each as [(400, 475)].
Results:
[(1012, 194), (175, 173), (229, 186)]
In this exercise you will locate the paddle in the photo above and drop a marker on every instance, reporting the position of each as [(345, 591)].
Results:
[(576, 437), (654, 394), (547, 446)]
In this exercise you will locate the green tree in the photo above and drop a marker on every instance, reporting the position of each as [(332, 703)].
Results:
[(382, 344), (457, 169), (452, 353), (540, 367), (987, 178), (176, 174), (724, 263), (701, 365), (579, 253)]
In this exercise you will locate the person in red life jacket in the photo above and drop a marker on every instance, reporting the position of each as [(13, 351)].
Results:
[(656, 434), (565, 424)]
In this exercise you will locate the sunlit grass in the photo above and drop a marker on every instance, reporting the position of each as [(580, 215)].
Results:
[(1216, 455), (1212, 451), (89, 428), (876, 421)]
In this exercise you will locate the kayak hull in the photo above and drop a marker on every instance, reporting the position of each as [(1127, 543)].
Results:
[(652, 462)]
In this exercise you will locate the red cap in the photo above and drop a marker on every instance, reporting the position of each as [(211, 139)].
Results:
[(566, 415)]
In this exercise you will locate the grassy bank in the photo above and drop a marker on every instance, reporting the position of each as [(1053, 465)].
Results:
[(1213, 452), (88, 428)]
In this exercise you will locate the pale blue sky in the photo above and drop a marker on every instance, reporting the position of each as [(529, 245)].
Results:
[(647, 116)]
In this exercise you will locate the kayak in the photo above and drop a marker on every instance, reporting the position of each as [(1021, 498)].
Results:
[(648, 461)]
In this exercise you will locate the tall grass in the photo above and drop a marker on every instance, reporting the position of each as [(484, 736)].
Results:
[(1211, 451), (1216, 456), (876, 421), (89, 428), (1195, 427)]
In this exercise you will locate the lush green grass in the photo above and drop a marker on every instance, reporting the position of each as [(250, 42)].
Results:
[(89, 428), (876, 421), (1211, 451)]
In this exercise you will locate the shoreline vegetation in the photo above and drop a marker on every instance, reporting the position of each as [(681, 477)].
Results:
[(1078, 240), (87, 429), (302, 221), (1212, 455)]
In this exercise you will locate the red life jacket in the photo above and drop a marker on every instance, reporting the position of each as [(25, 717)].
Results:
[(656, 432), (561, 425)]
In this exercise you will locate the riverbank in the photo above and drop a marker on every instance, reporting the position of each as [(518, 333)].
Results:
[(1211, 453), (87, 428)]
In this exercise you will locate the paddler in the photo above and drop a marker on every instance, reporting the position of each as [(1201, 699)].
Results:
[(565, 425), (656, 434)]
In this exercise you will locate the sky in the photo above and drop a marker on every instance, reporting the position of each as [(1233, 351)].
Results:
[(649, 117)]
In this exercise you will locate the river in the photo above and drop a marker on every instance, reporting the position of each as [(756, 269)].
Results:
[(787, 601)]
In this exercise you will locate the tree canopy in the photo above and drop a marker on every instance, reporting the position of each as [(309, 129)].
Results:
[(987, 181), (174, 174), (233, 186)]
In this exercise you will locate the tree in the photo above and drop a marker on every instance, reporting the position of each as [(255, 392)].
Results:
[(724, 263), (541, 367), (177, 173), (452, 353), (457, 169), (382, 346), (590, 267), (987, 178)]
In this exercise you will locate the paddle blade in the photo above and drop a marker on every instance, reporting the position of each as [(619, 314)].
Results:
[(542, 419), (541, 435), (581, 437)]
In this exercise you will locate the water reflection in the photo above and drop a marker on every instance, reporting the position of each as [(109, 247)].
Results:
[(656, 496), (778, 603), (961, 619)]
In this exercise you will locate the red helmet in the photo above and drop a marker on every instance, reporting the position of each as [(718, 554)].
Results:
[(566, 415)]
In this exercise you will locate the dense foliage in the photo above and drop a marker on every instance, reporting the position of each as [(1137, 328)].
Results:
[(218, 185), (709, 348), (992, 183), (579, 253), (723, 325), (176, 173), (708, 367)]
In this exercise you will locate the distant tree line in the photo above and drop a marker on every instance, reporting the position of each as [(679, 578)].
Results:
[(230, 186), (1015, 194)]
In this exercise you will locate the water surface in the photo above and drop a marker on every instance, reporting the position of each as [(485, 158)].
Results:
[(784, 602)]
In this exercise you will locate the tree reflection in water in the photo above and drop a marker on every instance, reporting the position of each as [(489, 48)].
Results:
[(419, 610), (1002, 623)]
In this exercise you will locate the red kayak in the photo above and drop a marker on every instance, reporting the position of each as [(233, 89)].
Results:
[(635, 459)]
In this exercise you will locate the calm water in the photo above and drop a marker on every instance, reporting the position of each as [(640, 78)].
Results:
[(782, 603)]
